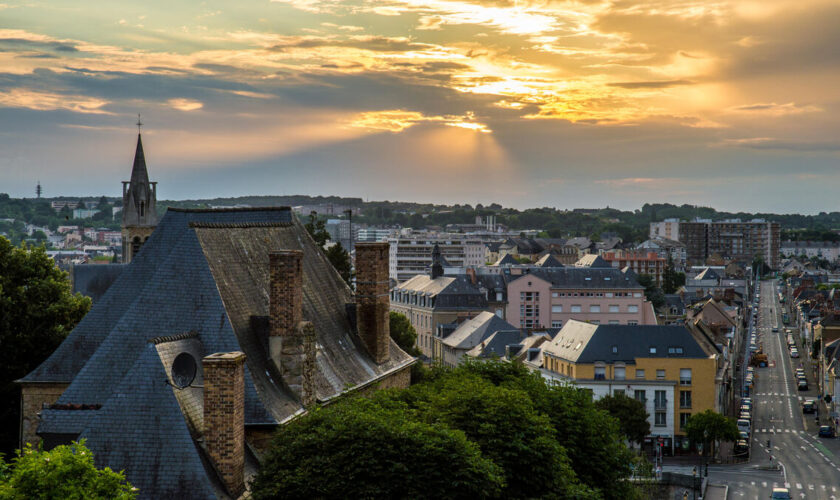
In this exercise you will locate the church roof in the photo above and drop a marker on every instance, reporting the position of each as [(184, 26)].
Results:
[(204, 271), (139, 173)]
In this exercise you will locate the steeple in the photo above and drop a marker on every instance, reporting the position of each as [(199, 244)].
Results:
[(139, 215), (437, 264)]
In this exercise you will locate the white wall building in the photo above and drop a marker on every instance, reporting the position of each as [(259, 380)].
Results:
[(669, 229), (412, 255)]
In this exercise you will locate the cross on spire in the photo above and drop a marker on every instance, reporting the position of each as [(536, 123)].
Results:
[(139, 123)]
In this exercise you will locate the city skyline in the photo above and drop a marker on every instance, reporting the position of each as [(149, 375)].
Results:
[(566, 104)]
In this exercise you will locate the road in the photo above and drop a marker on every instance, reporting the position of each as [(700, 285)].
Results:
[(809, 465)]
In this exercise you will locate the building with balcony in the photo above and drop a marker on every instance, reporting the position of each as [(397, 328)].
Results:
[(732, 240), (649, 263)]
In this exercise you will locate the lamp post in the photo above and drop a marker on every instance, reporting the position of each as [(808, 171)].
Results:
[(694, 483)]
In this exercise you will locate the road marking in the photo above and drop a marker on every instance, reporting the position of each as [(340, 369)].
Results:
[(798, 486), (810, 486)]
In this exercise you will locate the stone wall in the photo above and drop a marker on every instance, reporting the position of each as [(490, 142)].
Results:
[(372, 299), (224, 416), (33, 397)]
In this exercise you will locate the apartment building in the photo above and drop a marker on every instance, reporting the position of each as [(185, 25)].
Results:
[(412, 255), (667, 249), (668, 229), (665, 367), (549, 298), (732, 239), (638, 262), (829, 250)]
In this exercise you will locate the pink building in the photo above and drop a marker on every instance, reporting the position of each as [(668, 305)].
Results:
[(548, 298)]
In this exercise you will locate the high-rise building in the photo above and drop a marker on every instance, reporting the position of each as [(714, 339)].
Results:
[(732, 239), (669, 229)]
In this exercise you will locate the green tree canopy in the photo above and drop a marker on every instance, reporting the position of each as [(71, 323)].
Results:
[(363, 449), (652, 292), (709, 428), (630, 414), (66, 472), (403, 333), (340, 260), (317, 228), (37, 311)]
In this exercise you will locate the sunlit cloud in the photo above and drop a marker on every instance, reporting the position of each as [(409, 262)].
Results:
[(398, 120), (185, 104), (45, 101)]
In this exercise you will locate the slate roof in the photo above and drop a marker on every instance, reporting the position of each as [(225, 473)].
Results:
[(548, 260), (583, 277), (496, 344), (449, 292), (471, 332), (707, 274), (93, 280), (507, 260), (201, 271), (592, 260), (580, 342)]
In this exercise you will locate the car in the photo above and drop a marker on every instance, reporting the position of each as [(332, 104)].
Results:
[(780, 494), (744, 435), (744, 425), (742, 446), (826, 431), (794, 353), (775, 329), (803, 385), (745, 416), (809, 407)]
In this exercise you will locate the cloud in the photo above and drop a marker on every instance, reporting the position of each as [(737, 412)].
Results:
[(650, 85), (185, 104), (774, 109), (769, 143), (398, 120), (46, 101)]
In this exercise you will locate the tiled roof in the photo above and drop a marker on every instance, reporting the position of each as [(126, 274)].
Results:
[(583, 277), (592, 260)]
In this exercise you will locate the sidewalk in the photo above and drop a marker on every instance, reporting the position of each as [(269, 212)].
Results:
[(716, 492)]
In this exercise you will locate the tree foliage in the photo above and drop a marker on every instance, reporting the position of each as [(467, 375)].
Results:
[(37, 311), (65, 472), (403, 333), (630, 413), (652, 292), (340, 260), (709, 428), (317, 228), (515, 437)]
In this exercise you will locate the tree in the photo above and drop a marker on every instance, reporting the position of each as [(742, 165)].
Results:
[(652, 292), (630, 414), (65, 472), (317, 228), (709, 428), (671, 279), (403, 333), (37, 311), (359, 448), (340, 260)]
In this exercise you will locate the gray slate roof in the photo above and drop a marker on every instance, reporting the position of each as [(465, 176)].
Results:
[(548, 260), (587, 343), (592, 260), (583, 277), (204, 271), (93, 280), (471, 332)]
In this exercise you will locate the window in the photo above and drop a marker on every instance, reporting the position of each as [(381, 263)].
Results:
[(640, 373), (615, 349), (575, 309), (554, 295), (639, 396), (614, 308), (614, 322), (600, 373), (685, 399), (608, 294), (620, 373), (594, 309), (660, 374), (659, 400), (675, 351), (685, 376), (632, 322), (617, 392), (684, 419), (652, 349), (142, 209), (659, 419), (632, 309), (556, 309), (637, 294), (595, 322), (556, 324)]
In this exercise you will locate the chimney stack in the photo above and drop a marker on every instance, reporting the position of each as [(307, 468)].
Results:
[(372, 299), (224, 416), (291, 341)]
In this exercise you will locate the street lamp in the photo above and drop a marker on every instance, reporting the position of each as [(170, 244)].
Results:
[(694, 483)]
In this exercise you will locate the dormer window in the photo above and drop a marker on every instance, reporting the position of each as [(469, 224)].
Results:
[(653, 350), (615, 349)]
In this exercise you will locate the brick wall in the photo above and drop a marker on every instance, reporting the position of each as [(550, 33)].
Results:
[(286, 291), (224, 416), (33, 397), (372, 299)]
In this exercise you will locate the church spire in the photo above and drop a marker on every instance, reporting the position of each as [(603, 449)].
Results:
[(139, 173)]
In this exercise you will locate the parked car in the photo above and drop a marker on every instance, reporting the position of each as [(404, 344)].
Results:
[(744, 425), (742, 446), (826, 431), (794, 353), (775, 329), (809, 407), (803, 385)]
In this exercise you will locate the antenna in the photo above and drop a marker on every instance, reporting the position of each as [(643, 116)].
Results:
[(183, 370), (38, 189)]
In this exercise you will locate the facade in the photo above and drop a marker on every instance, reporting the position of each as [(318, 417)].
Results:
[(228, 324), (374, 234), (667, 249), (549, 298), (663, 366), (412, 255), (139, 216), (668, 229), (829, 250), (732, 240), (639, 262)]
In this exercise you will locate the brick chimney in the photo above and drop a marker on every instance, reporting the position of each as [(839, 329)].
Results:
[(472, 275), (224, 416), (372, 299), (291, 341)]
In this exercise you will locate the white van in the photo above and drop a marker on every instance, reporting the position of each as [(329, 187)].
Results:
[(744, 425)]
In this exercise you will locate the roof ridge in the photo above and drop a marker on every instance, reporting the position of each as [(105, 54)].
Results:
[(245, 225), (230, 209), (172, 338)]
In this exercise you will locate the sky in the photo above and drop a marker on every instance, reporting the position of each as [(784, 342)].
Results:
[(527, 103)]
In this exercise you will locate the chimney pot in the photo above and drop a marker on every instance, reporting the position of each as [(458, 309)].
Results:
[(224, 416)]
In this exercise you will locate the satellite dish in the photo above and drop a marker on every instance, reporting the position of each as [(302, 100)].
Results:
[(183, 370)]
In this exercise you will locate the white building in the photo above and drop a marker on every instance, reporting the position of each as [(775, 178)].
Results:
[(668, 229), (412, 255)]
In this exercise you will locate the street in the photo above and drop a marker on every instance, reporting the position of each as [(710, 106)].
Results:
[(808, 465)]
